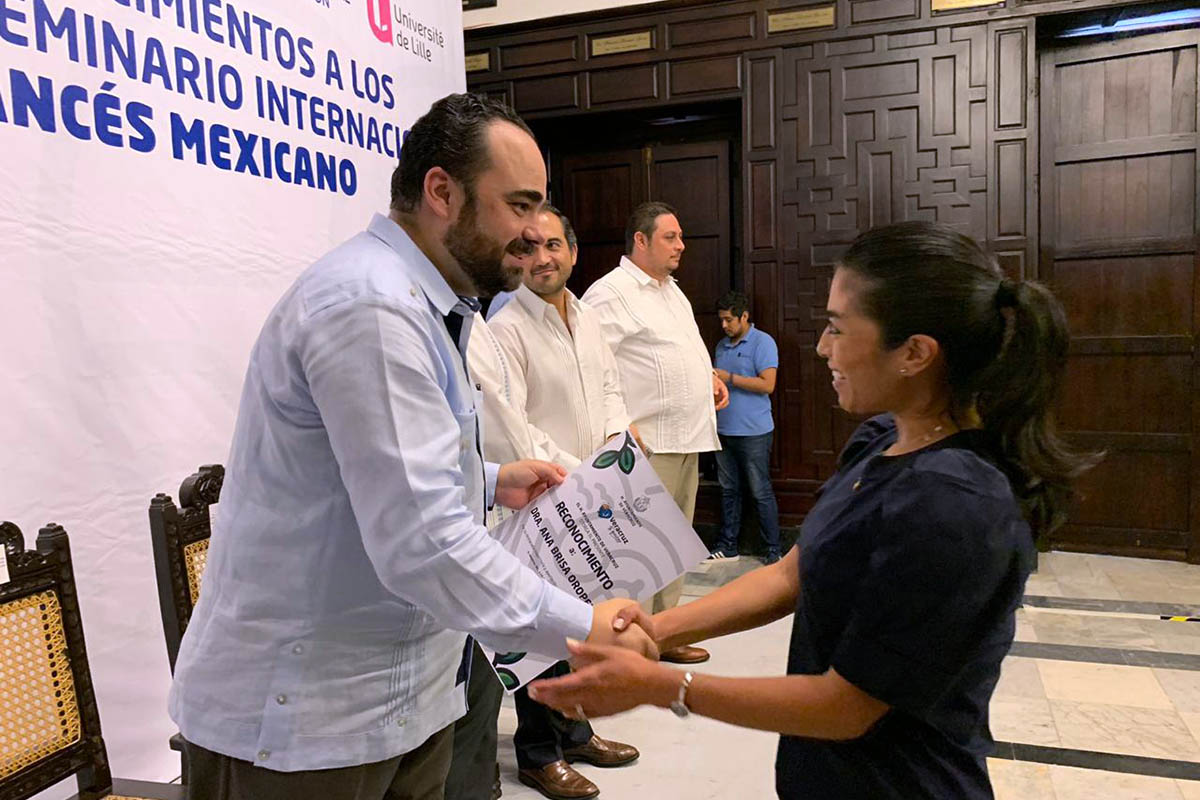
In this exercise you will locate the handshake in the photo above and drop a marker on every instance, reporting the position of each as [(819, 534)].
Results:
[(623, 623)]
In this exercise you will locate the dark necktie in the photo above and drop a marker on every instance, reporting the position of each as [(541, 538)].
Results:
[(454, 326)]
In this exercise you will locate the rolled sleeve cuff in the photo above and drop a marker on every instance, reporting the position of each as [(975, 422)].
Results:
[(491, 474), (616, 425), (562, 616)]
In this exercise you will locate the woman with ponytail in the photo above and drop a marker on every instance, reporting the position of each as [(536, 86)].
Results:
[(910, 566)]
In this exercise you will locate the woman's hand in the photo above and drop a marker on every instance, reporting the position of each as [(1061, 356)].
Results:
[(607, 680)]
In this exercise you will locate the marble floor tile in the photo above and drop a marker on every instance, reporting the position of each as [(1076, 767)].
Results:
[(1062, 626), (1147, 567), (1025, 631), (1167, 642), (1053, 627), (1192, 720), (1043, 584), (1068, 565), (1073, 783), (1189, 789), (1182, 686), (1098, 588), (1155, 589), (1019, 677), (1023, 719), (1102, 683), (1170, 628), (1020, 780), (1153, 732), (1118, 632)]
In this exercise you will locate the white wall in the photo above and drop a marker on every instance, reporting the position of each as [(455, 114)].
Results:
[(507, 11)]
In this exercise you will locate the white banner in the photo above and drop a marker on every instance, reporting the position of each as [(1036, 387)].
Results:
[(168, 167)]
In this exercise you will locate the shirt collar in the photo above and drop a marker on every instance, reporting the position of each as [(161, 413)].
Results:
[(729, 343), (539, 308), (435, 287), (639, 274)]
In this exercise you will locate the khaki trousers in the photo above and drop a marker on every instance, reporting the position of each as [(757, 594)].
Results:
[(680, 473)]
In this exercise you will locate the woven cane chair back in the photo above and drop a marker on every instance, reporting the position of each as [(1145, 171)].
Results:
[(49, 725), (180, 535)]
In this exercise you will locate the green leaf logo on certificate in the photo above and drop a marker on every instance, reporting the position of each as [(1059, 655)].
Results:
[(624, 458), (610, 530)]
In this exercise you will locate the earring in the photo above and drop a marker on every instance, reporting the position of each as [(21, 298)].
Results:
[(903, 371)]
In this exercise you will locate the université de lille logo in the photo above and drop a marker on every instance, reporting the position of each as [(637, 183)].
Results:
[(379, 14)]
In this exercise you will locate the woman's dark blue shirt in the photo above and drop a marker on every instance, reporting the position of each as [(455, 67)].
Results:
[(911, 570)]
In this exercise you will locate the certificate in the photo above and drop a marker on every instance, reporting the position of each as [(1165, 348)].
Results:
[(610, 529)]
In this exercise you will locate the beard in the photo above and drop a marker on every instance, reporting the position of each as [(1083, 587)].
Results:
[(549, 289), (480, 256)]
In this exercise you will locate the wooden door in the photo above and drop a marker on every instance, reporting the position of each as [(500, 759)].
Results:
[(601, 189), (1118, 200), (694, 179)]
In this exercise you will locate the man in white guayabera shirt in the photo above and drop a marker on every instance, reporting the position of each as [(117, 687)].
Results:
[(564, 382), (666, 373), (324, 659)]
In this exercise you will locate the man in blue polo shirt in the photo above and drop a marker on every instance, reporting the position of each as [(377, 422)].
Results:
[(746, 360)]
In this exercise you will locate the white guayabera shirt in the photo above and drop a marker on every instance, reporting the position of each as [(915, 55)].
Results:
[(666, 372), (565, 381)]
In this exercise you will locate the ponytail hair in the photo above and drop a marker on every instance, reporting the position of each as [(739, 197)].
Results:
[(1004, 344)]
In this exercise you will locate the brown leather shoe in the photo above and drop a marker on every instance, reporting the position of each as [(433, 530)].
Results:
[(685, 655), (558, 781), (601, 753)]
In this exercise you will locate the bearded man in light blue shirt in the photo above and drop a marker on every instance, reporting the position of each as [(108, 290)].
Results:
[(325, 656)]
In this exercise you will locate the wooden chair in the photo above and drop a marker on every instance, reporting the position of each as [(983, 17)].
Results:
[(180, 537), (49, 723)]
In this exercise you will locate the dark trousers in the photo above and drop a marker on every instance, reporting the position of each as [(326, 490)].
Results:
[(748, 456), (543, 733), (473, 767), (418, 775)]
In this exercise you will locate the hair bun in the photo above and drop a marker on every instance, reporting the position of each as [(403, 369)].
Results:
[(1006, 293)]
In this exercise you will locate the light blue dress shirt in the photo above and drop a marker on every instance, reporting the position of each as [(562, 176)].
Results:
[(748, 413), (348, 549), (499, 302)]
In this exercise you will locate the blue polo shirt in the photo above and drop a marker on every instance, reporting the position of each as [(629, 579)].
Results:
[(911, 571), (748, 413)]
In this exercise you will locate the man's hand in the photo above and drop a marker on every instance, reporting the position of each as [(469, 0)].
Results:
[(521, 482), (723, 375), (720, 392), (637, 437), (605, 629)]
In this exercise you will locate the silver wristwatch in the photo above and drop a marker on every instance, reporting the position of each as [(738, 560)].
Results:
[(679, 704)]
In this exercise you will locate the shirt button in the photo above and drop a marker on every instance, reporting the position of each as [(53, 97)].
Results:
[(401, 723), (412, 290), (298, 649), (263, 755), (281, 699)]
